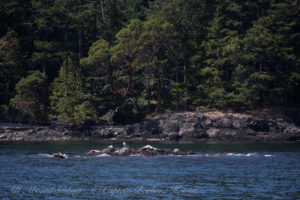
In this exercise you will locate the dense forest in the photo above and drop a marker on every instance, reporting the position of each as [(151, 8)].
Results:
[(82, 60)]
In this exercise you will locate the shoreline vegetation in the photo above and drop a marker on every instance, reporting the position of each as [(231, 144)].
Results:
[(209, 126)]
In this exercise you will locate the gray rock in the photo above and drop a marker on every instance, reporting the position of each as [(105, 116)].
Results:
[(60, 155), (226, 122), (109, 149), (93, 153), (202, 125), (213, 132), (124, 151), (173, 136)]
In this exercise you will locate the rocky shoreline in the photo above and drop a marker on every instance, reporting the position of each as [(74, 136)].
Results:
[(203, 126)]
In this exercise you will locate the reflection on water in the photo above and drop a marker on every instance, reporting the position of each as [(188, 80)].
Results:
[(225, 171)]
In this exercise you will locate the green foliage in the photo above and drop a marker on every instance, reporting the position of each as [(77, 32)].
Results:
[(29, 96), (134, 52), (68, 100), (99, 52), (10, 65)]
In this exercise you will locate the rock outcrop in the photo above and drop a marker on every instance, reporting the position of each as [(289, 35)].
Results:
[(60, 155), (147, 150), (187, 126), (215, 126)]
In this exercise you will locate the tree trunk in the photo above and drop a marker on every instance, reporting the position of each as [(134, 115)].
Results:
[(80, 42), (92, 90), (184, 79), (102, 11), (148, 90), (95, 27), (66, 38), (177, 80), (44, 65), (128, 85), (260, 64), (80, 36), (159, 88)]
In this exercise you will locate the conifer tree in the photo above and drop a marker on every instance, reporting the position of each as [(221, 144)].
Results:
[(10, 65), (68, 99), (29, 96)]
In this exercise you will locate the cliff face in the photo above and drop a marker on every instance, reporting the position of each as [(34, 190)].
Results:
[(188, 126)]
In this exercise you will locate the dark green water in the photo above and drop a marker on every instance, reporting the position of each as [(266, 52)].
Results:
[(249, 171)]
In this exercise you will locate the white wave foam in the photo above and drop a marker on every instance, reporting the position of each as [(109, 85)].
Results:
[(103, 155), (267, 155), (195, 155), (51, 155), (250, 154), (45, 155), (241, 154), (231, 154), (135, 155)]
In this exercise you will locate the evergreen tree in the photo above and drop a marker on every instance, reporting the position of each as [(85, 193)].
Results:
[(43, 23), (188, 19), (13, 15), (154, 38), (142, 56), (269, 57), (68, 100), (10, 65), (29, 96), (219, 54), (100, 82)]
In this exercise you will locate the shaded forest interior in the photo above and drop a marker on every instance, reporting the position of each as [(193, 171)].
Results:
[(129, 60)]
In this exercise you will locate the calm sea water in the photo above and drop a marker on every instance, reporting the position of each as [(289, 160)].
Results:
[(249, 171)]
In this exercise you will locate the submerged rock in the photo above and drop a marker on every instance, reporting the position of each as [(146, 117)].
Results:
[(222, 154), (93, 153), (60, 155)]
